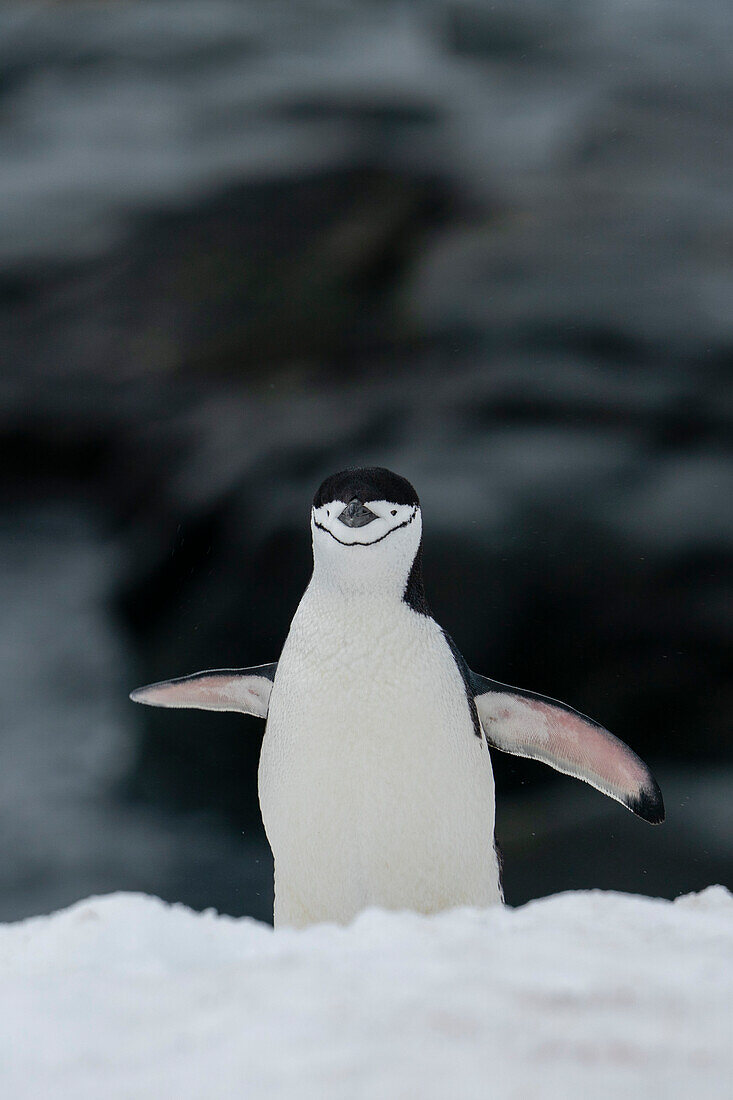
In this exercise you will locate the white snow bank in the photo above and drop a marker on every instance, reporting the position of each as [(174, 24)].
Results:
[(578, 995)]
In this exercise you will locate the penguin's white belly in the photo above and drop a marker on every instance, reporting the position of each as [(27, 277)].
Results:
[(374, 787)]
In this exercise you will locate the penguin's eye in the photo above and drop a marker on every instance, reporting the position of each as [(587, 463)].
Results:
[(394, 511)]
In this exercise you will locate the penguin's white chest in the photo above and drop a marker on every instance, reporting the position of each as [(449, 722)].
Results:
[(374, 787)]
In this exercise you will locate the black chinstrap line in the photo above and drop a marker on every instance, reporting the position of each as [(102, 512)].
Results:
[(374, 542)]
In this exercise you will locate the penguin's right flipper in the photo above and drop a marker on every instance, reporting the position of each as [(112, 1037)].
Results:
[(246, 690), (526, 724)]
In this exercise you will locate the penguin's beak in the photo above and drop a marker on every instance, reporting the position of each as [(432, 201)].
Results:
[(356, 514)]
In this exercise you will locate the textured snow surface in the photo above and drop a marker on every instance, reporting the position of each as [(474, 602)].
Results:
[(577, 995)]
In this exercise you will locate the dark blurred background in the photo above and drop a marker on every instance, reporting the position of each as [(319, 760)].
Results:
[(245, 244)]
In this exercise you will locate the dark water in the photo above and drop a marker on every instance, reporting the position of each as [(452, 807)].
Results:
[(244, 245)]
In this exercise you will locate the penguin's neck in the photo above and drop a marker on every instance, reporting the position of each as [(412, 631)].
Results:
[(373, 577)]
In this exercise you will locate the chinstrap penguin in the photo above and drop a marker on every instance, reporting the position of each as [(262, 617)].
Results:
[(375, 778)]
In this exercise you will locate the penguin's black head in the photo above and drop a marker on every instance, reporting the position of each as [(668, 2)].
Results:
[(367, 528), (364, 484)]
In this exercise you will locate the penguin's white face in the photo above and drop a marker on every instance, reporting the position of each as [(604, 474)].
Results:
[(353, 523), (367, 528)]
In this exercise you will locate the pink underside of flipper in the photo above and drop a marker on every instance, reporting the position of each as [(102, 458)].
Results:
[(564, 740), (214, 691)]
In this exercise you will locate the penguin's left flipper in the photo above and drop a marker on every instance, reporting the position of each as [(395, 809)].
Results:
[(525, 724), (246, 690)]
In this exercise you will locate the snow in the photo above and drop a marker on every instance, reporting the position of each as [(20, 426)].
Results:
[(576, 995)]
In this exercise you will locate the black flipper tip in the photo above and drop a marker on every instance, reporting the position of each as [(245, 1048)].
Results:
[(650, 805)]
